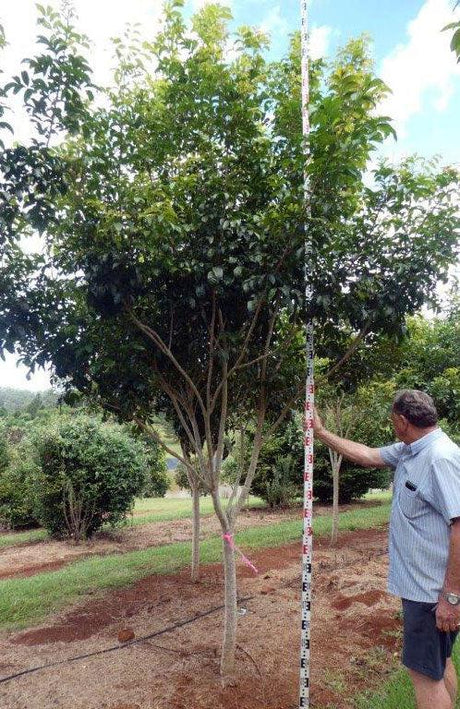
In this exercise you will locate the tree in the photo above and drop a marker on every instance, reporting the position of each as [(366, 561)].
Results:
[(35, 405), (341, 418), (156, 482), (3, 124), (4, 453), (16, 488), (360, 414), (188, 476), (430, 361), (175, 219)]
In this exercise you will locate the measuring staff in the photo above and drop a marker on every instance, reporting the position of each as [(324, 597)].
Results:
[(304, 694)]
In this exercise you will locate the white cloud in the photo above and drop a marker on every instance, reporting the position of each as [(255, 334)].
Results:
[(275, 24), (98, 19), (421, 72), (319, 41)]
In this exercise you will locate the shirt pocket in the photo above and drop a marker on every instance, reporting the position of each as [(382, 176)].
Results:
[(411, 503)]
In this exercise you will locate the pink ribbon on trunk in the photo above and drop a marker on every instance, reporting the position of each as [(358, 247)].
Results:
[(229, 538)]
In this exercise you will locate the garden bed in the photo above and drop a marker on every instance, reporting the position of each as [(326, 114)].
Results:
[(354, 639)]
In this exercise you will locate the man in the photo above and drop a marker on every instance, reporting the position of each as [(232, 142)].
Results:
[(424, 542)]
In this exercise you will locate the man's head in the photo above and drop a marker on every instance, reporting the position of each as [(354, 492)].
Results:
[(413, 414)]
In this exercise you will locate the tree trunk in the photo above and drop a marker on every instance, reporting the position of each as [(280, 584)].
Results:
[(336, 462), (196, 534), (227, 663), (335, 505)]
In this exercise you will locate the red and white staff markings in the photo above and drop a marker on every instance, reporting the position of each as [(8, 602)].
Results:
[(307, 546)]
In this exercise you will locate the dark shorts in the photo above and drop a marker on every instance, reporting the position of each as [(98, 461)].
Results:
[(425, 648)]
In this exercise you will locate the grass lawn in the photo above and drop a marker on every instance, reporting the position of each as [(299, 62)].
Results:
[(397, 693), (159, 509), (149, 509), (33, 535), (165, 509), (24, 601)]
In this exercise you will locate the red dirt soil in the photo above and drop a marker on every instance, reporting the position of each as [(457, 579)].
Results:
[(355, 635)]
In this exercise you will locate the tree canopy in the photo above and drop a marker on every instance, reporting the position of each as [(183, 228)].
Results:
[(186, 190)]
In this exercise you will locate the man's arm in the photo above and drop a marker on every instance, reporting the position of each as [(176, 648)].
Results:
[(448, 616), (356, 452)]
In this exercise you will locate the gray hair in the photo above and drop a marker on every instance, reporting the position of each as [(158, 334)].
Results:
[(417, 407)]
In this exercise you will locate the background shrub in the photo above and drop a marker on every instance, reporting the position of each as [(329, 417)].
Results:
[(90, 473), (156, 481), (279, 474), (17, 505)]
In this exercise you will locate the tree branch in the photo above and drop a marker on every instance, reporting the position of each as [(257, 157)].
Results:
[(150, 431), (155, 337), (354, 345), (223, 413), (242, 353), (260, 423), (207, 420)]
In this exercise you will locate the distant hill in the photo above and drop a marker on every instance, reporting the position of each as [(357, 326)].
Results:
[(17, 399)]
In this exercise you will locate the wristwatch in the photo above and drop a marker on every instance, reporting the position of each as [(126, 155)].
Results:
[(451, 598)]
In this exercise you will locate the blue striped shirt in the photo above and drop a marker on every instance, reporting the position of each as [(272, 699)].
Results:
[(426, 497)]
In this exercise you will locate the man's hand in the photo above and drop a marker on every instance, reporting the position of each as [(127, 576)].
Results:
[(357, 452), (447, 616), (317, 423)]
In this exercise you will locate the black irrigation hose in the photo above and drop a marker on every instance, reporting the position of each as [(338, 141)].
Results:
[(121, 647)]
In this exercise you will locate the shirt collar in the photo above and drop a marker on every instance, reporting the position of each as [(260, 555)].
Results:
[(424, 441)]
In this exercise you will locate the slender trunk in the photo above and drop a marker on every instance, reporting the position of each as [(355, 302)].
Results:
[(335, 505), (227, 663), (336, 462), (196, 533), (194, 482)]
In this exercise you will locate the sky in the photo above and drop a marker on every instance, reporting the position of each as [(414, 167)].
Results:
[(410, 51)]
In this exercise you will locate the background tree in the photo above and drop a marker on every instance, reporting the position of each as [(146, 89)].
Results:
[(4, 454), (156, 483), (3, 124), (17, 506), (367, 412), (339, 415), (429, 360), (15, 399)]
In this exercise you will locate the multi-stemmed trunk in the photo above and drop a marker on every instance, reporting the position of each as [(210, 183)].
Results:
[(203, 418)]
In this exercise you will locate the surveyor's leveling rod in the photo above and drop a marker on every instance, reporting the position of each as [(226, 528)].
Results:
[(304, 700)]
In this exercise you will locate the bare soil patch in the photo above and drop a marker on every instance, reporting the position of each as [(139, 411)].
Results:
[(355, 633)]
